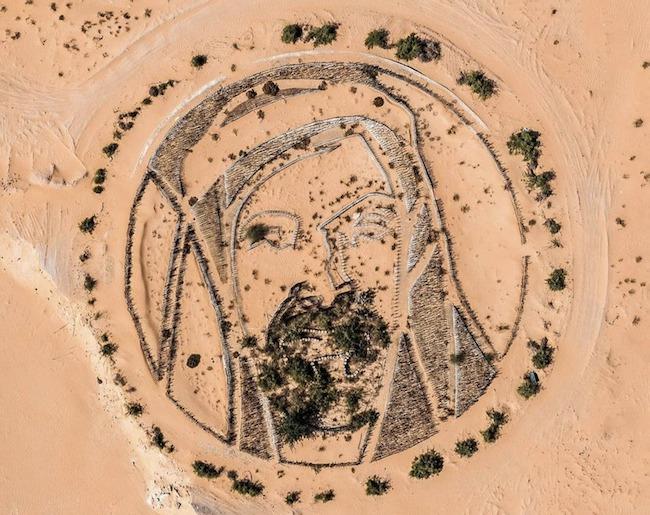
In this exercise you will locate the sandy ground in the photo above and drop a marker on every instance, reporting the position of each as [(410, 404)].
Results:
[(571, 69)]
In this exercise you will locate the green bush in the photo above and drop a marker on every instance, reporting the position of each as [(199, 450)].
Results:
[(377, 486), (110, 149), (426, 465), (557, 280), (98, 189), (199, 60), (291, 33), (543, 356), (410, 47), (467, 447), (158, 439), (540, 182), (377, 37), (498, 419), (88, 225), (257, 232), (206, 470), (353, 399), (270, 88), (89, 283), (526, 143), (270, 377), (249, 341), (108, 349), (530, 386), (431, 51), (324, 35), (325, 496), (553, 226), (193, 360), (299, 422), (359, 420), (100, 176), (457, 358), (292, 497), (480, 84), (134, 409), (247, 487)]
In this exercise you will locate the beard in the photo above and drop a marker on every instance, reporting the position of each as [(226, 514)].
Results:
[(320, 364)]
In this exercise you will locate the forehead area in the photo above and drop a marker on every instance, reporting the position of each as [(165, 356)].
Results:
[(318, 185)]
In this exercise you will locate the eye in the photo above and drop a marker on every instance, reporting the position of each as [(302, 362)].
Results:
[(371, 225), (278, 229)]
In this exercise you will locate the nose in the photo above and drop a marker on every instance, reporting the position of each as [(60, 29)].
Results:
[(333, 265)]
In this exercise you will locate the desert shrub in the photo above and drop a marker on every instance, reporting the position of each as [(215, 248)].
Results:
[(84, 256), (325, 496), (467, 447), (480, 84), (134, 409), (270, 88), (88, 225), (431, 51), (193, 360), (377, 37), (324, 35), (100, 176), (257, 232), (527, 144), (300, 370), (543, 356), (497, 419), (540, 182), (108, 349), (247, 487), (638, 122), (291, 33), (249, 341), (530, 385), (292, 497), (206, 470), (426, 465), (110, 149), (359, 420), (158, 439), (199, 60), (557, 280), (269, 377), (98, 189), (378, 102), (299, 422), (353, 399), (89, 283), (553, 226), (377, 486), (410, 47), (457, 358)]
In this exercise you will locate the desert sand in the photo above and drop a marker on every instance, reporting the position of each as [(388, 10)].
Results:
[(248, 200)]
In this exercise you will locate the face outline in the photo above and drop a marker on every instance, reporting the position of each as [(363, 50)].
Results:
[(406, 204)]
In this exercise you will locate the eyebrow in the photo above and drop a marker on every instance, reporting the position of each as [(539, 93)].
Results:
[(362, 198)]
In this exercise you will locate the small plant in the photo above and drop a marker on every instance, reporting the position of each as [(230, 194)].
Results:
[(206, 470), (480, 84), (100, 176), (249, 341), (158, 439), (426, 465), (377, 486), (467, 447), (457, 358), (543, 356), (638, 122), (410, 47), (199, 60), (541, 182), (553, 226), (98, 189), (193, 360), (557, 280), (84, 256), (378, 102), (497, 419), (89, 283), (269, 377), (88, 225), (134, 409), (325, 496), (110, 149), (108, 349), (270, 88), (530, 386), (257, 232), (291, 33), (377, 37), (324, 35), (292, 497), (247, 487), (527, 144)]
